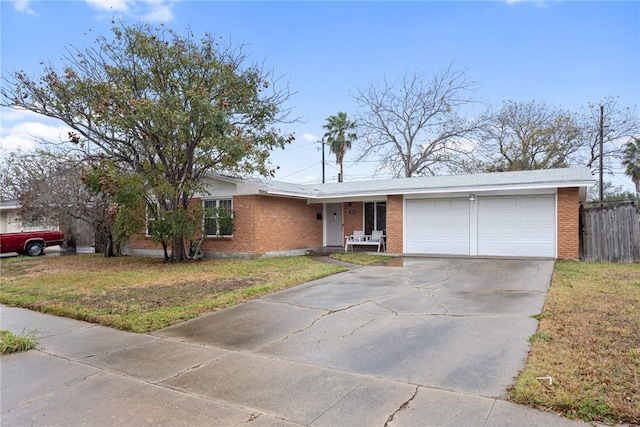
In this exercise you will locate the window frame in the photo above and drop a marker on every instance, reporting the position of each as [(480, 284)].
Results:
[(376, 206), (219, 204), (149, 220)]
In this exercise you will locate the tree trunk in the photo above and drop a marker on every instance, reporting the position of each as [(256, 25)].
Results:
[(166, 252), (178, 253)]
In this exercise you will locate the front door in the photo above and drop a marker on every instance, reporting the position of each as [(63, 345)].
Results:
[(333, 224)]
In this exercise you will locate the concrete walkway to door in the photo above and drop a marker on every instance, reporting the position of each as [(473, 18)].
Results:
[(416, 342)]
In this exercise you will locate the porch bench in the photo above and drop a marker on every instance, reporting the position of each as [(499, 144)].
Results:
[(359, 238)]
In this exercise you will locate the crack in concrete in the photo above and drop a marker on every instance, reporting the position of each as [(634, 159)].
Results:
[(318, 341), (416, 286), (438, 303), (386, 308), (189, 369), (401, 407), (328, 313), (254, 416), (486, 420)]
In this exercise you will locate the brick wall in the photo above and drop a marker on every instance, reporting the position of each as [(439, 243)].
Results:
[(394, 224), (262, 224), (286, 224), (355, 221), (568, 223)]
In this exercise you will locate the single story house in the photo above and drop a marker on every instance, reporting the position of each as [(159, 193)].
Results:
[(503, 214)]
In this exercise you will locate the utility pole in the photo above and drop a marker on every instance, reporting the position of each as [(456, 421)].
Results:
[(322, 142), (601, 152)]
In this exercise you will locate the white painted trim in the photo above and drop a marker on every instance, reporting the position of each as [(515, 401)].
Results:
[(324, 225), (555, 243), (473, 227), (433, 192)]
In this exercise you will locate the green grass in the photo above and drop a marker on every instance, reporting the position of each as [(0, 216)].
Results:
[(359, 258), (11, 343), (588, 341), (144, 294)]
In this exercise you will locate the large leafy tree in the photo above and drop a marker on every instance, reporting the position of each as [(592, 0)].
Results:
[(340, 135), (531, 135), (164, 109), (415, 125), (631, 162)]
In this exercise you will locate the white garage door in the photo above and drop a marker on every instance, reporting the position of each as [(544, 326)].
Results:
[(517, 226), (437, 226)]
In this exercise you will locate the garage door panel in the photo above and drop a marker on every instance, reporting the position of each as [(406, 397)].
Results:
[(517, 226), (506, 226), (437, 226)]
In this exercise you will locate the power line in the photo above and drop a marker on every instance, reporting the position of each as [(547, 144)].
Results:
[(301, 170)]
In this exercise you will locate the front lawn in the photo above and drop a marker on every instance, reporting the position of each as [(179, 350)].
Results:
[(588, 343), (144, 294)]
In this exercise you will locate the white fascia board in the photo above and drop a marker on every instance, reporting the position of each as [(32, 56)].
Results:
[(9, 206), (229, 189), (498, 190), (549, 188)]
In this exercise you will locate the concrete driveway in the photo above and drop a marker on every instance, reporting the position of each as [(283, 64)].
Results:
[(428, 342), (453, 324)]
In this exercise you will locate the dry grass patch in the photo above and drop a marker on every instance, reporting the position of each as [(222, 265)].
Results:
[(145, 294), (588, 341)]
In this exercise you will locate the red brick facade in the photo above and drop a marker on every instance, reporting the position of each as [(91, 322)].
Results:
[(394, 224), (262, 224), (568, 224), (352, 220), (266, 224)]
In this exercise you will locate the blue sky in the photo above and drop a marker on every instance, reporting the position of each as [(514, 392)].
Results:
[(565, 53)]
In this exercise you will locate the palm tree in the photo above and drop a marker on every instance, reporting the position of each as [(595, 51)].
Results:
[(339, 135), (631, 162)]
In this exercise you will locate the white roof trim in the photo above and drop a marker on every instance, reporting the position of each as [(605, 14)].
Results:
[(477, 183)]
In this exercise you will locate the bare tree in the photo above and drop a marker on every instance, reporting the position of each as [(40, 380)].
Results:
[(622, 125), (414, 124), (531, 135), (49, 188)]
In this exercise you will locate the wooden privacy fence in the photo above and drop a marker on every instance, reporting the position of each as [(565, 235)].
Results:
[(610, 233)]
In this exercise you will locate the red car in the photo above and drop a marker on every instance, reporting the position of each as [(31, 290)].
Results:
[(30, 243)]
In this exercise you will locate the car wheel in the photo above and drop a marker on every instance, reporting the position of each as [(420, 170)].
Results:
[(35, 249)]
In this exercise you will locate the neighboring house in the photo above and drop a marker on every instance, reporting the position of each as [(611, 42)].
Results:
[(9, 219), (12, 222), (504, 214), (81, 235)]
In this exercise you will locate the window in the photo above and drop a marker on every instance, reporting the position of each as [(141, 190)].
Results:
[(218, 217), (152, 215), (375, 217)]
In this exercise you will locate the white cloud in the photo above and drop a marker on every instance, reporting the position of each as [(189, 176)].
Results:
[(26, 135), (12, 143), (23, 6), (148, 10), (160, 12), (538, 3), (12, 115), (309, 137), (109, 5)]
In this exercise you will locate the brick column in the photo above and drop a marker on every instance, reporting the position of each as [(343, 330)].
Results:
[(394, 224), (568, 223)]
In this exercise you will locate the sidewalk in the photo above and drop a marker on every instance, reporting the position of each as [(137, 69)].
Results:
[(84, 374)]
